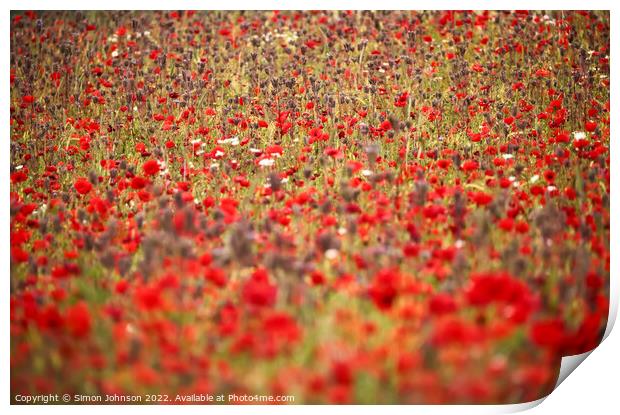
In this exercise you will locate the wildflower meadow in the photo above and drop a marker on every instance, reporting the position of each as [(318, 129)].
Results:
[(306, 207)]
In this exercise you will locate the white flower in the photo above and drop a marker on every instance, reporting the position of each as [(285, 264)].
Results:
[(266, 162), (233, 141), (331, 253), (534, 178), (114, 53), (41, 209), (579, 135), (366, 172), (507, 156), (218, 153)]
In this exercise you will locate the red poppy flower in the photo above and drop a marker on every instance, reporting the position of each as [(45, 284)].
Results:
[(282, 327), (82, 185), (384, 288), (549, 333), (216, 276), (549, 176), (386, 125), (78, 320), (442, 304), (150, 167), (259, 291), (513, 295), (138, 182), (481, 198), (149, 297)]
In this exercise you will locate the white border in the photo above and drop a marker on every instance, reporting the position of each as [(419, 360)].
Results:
[(593, 388)]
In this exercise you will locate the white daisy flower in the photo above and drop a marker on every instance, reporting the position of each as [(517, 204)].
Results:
[(233, 141), (331, 254), (579, 135), (266, 162)]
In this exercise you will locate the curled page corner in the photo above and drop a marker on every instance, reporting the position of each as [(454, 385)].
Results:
[(613, 307), (570, 363), (520, 407), (567, 366)]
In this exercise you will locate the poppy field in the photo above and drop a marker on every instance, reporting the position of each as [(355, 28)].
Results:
[(370, 207)]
